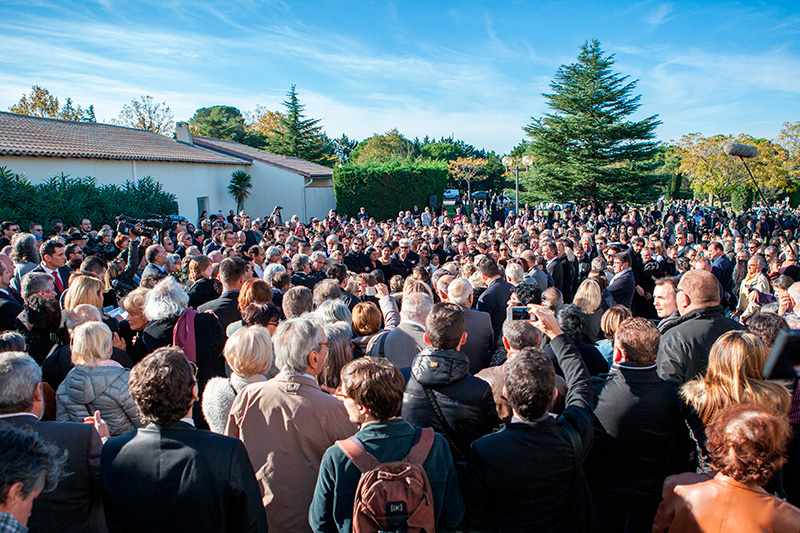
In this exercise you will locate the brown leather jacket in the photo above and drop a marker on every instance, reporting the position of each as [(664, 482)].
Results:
[(704, 503)]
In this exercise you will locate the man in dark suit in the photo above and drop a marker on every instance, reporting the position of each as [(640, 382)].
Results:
[(169, 476), (339, 274), (549, 494), (54, 259), (622, 285), (156, 258), (494, 299), (636, 419), (74, 506), (721, 266), (10, 307), (301, 265), (356, 260), (553, 267), (480, 336), (403, 260), (226, 307)]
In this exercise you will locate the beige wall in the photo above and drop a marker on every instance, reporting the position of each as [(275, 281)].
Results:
[(187, 181), (275, 186)]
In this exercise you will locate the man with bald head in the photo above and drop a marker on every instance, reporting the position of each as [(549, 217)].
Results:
[(683, 352)]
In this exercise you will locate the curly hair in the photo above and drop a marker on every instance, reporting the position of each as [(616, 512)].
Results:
[(528, 293), (747, 443), (161, 385)]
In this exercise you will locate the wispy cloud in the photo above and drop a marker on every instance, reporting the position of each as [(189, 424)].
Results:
[(659, 15)]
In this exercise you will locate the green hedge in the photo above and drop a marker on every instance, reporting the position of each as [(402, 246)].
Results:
[(386, 188), (72, 199)]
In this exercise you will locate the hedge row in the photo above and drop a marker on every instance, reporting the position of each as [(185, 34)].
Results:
[(72, 199), (386, 188)]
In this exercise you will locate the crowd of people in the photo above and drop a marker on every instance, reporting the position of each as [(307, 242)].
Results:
[(570, 368)]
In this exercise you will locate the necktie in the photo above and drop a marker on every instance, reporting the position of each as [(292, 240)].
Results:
[(57, 279)]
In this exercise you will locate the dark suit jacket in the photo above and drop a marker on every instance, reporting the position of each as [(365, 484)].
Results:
[(63, 272), (622, 288), (480, 339), (69, 507), (557, 273), (9, 310), (494, 301), (152, 269), (178, 478), (543, 495), (226, 307)]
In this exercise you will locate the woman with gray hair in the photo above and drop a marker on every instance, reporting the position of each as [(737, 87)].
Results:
[(339, 354), (755, 280), (200, 335), (25, 255), (331, 312)]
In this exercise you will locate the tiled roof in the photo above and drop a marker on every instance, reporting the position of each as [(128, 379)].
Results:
[(293, 164), (45, 137)]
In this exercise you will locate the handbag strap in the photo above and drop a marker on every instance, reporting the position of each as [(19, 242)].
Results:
[(450, 433)]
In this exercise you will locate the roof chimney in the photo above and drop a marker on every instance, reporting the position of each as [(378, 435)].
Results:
[(182, 133)]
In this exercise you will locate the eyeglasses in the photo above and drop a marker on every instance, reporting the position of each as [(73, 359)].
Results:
[(194, 369), (327, 344)]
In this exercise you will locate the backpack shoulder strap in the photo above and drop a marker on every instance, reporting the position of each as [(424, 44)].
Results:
[(355, 451), (422, 447), (577, 446)]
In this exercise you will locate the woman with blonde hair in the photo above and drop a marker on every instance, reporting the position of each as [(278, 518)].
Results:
[(131, 328), (248, 353), (754, 280), (734, 376), (589, 299), (609, 324), (97, 383), (84, 288)]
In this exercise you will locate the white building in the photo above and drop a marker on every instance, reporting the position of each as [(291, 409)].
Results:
[(197, 170)]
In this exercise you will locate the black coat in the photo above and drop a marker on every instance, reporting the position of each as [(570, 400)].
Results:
[(637, 417), (74, 506), (356, 262), (177, 478), (226, 307), (10, 309), (210, 340), (403, 267), (556, 272), (203, 291), (494, 300), (684, 348), (480, 339), (63, 273), (466, 401), (523, 478)]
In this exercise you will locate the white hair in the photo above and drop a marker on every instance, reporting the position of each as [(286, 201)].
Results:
[(293, 342), (167, 299), (332, 311), (416, 307), (460, 291), (514, 273), (271, 270)]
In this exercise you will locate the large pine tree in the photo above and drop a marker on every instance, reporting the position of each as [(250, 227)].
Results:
[(587, 149), (299, 136)]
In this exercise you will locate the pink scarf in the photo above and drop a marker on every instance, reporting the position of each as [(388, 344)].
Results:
[(183, 334)]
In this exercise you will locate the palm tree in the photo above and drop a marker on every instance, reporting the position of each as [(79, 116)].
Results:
[(239, 187)]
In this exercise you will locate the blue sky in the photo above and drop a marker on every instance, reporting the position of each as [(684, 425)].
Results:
[(475, 70)]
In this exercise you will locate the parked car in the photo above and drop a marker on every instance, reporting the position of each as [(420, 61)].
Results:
[(480, 195), (451, 194)]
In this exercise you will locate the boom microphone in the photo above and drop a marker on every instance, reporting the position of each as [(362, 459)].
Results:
[(740, 150)]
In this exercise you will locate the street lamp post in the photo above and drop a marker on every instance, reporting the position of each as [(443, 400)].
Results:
[(507, 162)]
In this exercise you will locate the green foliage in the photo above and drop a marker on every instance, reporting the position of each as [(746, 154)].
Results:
[(667, 162), (447, 149), (40, 103), (147, 114), (297, 136), (239, 187), (390, 146), (742, 198), (71, 199), (219, 122), (385, 188), (343, 147), (587, 149)]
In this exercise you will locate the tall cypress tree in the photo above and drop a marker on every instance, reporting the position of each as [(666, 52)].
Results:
[(586, 148), (299, 136)]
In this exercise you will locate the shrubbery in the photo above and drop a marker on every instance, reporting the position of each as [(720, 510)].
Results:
[(385, 188), (71, 199)]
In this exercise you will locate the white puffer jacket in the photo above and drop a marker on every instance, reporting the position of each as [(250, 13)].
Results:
[(87, 389)]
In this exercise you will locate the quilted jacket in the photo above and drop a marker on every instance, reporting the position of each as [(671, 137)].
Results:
[(87, 389)]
